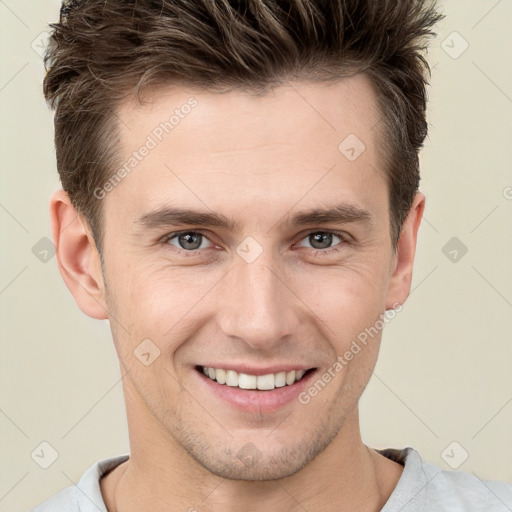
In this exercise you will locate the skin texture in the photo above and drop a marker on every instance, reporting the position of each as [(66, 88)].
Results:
[(257, 160)]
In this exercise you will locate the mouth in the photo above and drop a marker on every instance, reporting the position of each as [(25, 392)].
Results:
[(263, 394), (246, 381)]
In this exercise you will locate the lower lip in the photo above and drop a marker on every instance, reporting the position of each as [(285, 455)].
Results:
[(256, 401)]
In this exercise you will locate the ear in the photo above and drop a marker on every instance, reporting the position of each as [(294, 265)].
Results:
[(77, 256), (401, 276)]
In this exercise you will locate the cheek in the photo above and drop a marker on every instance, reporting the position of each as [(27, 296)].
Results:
[(348, 298), (159, 302), (350, 304), (353, 311)]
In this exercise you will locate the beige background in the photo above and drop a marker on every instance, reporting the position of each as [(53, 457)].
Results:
[(444, 369)]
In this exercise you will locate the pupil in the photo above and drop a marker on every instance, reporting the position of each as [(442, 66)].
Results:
[(190, 240), (317, 237)]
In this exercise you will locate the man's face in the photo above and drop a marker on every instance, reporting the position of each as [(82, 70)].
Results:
[(268, 292)]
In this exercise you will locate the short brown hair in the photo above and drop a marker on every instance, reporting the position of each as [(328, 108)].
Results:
[(105, 51)]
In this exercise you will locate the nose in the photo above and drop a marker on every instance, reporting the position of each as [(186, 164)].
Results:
[(258, 306)]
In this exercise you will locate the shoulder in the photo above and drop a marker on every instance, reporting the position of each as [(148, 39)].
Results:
[(425, 486), (64, 501), (85, 496)]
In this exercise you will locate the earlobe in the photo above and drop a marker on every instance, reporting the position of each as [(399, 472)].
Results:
[(401, 276), (77, 256)]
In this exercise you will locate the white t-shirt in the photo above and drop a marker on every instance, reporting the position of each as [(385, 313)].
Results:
[(422, 487)]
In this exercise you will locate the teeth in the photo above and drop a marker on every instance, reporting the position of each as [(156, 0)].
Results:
[(220, 375), (247, 381), (262, 382), (280, 379), (231, 378), (290, 377), (265, 382)]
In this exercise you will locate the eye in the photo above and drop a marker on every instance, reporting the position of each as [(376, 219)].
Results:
[(187, 240), (322, 240), (191, 241)]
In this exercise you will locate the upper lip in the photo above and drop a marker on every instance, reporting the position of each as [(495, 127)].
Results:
[(254, 370)]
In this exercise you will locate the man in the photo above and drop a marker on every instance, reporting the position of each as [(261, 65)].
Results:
[(240, 200)]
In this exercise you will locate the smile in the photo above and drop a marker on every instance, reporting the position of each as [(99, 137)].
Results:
[(265, 382)]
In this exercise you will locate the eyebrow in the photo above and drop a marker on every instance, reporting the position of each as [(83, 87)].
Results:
[(175, 216)]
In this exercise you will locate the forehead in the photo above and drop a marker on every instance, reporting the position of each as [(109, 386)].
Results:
[(298, 142), (331, 109)]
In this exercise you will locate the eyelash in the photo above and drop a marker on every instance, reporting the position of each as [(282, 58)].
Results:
[(343, 237)]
